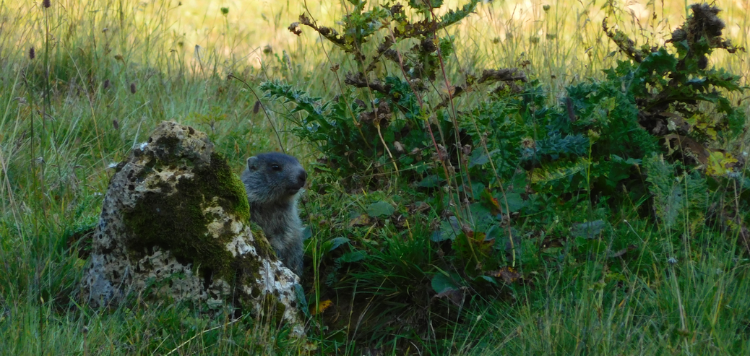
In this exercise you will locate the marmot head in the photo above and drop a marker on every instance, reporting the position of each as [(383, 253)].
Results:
[(273, 176)]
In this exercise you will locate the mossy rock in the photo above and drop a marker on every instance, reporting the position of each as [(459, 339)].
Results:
[(176, 219)]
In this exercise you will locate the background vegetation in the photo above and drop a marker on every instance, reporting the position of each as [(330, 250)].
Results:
[(522, 180)]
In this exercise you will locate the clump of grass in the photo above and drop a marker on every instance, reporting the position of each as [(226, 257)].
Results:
[(685, 305)]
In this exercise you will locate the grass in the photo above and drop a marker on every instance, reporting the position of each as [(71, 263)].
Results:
[(106, 72)]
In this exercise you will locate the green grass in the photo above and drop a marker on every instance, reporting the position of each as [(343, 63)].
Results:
[(117, 68), (692, 307)]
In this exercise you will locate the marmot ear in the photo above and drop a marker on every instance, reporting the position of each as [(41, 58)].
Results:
[(251, 162)]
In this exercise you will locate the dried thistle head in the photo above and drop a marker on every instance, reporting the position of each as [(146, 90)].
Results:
[(46, 4), (705, 19), (396, 9), (294, 28), (427, 45)]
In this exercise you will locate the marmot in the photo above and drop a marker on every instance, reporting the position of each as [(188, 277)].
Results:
[(272, 181)]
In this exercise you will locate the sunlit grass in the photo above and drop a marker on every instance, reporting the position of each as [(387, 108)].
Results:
[(176, 57)]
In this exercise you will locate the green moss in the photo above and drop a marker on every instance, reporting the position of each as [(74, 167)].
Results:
[(264, 247), (222, 182), (175, 220)]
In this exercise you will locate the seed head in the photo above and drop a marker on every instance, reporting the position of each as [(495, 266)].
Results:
[(224, 11), (116, 124), (46, 4), (256, 107), (132, 88), (106, 84), (678, 35), (32, 53)]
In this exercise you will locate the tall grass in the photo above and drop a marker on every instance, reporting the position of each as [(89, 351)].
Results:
[(683, 306), (105, 72)]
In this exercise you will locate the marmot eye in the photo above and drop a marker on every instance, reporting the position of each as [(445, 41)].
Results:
[(275, 167)]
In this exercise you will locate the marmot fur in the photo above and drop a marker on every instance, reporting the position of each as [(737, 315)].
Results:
[(272, 181)]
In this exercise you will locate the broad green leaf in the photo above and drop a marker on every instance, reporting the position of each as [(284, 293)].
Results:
[(431, 181), (380, 208), (336, 242), (448, 230), (440, 283), (350, 257)]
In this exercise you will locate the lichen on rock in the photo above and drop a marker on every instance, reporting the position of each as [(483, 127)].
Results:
[(175, 216)]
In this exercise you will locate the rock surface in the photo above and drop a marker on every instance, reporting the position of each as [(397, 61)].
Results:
[(175, 222)]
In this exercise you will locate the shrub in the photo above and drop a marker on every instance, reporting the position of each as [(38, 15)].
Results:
[(518, 184)]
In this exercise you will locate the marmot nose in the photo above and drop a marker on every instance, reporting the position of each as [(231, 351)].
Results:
[(302, 179)]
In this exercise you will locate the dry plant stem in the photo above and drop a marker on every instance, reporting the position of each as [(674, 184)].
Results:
[(10, 191), (429, 128), (351, 312), (377, 126), (201, 333), (232, 76), (338, 80), (93, 113), (459, 151), (364, 311), (484, 146), (34, 183), (85, 349), (681, 308), (46, 106)]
